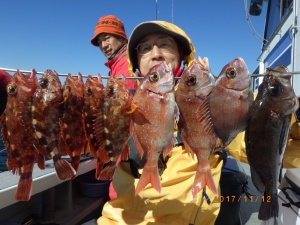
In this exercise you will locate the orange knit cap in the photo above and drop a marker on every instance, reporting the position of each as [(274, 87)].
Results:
[(110, 25)]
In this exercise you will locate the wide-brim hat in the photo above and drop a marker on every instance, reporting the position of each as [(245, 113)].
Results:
[(153, 27)]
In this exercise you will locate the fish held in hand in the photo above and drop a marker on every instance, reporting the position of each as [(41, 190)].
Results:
[(46, 112), (267, 133), (195, 123), (116, 125), (153, 121), (17, 131), (230, 100)]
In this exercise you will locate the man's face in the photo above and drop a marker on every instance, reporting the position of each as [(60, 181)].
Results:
[(156, 48), (108, 44)]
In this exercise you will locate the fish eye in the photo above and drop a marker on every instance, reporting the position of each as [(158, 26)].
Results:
[(191, 80), (154, 77), (231, 73), (12, 90), (111, 90), (275, 89), (44, 83), (88, 90)]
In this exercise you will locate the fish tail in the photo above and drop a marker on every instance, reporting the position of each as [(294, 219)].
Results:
[(149, 175), (269, 207), (75, 162), (108, 172), (203, 178), (23, 191), (63, 169)]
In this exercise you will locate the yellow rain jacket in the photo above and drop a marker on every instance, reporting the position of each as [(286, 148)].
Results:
[(174, 205)]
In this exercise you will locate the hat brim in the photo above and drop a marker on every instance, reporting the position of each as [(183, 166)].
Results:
[(153, 27)]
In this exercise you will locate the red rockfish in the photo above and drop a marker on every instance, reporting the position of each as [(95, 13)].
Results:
[(72, 121), (46, 112), (93, 107), (17, 132), (116, 125)]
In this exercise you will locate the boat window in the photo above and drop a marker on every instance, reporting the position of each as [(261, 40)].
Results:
[(277, 11)]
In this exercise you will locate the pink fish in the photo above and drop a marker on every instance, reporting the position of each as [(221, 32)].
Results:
[(195, 122), (153, 121), (230, 100)]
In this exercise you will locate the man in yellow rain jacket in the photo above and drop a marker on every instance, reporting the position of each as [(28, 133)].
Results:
[(173, 205)]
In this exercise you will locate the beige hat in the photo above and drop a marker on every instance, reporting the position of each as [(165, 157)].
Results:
[(153, 27)]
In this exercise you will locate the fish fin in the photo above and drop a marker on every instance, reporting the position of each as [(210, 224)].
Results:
[(23, 192), (108, 171), (99, 130), (269, 207), (187, 148), (102, 154), (139, 117), (169, 148), (138, 145), (75, 162), (99, 167), (149, 175), (256, 180), (203, 178), (177, 113), (125, 152), (63, 169), (133, 108), (219, 145), (41, 161)]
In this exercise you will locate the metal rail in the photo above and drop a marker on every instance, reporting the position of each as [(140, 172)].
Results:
[(107, 77)]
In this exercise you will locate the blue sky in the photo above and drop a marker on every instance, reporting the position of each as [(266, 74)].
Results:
[(55, 34)]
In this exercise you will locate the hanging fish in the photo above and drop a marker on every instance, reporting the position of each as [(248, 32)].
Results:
[(93, 108), (72, 121), (230, 100), (195, 122), (116, 125), (153, 121), (17, 132), (267, 134), (46, 112)]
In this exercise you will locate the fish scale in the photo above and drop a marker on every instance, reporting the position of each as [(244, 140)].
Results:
[(46, 113), (195, 124), (93, 104), (72, 121), (266, 136), (230, 100), (17, 130), (153, 121), (115, 127)]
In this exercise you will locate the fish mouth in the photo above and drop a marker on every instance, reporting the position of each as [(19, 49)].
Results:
[(294, 106), (166, 90)]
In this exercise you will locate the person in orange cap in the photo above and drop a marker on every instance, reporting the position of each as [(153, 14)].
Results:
[(110, 37)]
